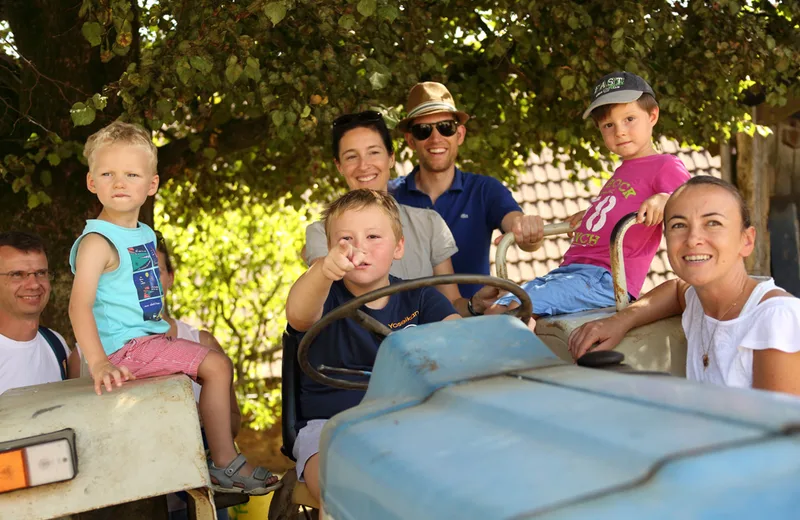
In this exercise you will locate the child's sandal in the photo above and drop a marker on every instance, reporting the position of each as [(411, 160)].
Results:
[(228, 479)]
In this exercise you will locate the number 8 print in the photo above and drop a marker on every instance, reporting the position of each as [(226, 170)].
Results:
[(598, 218)]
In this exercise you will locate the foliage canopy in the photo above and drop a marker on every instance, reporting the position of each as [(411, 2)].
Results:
[(241, 94)]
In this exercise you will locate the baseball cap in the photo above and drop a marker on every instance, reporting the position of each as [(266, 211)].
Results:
[(618, 87)]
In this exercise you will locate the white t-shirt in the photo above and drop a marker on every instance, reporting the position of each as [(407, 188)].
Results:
[(774, 323), (26, 363)]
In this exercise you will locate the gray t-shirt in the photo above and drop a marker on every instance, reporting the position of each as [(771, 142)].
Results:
[(429, 242)]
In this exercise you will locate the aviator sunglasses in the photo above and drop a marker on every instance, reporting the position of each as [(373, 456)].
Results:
[(423, 131)]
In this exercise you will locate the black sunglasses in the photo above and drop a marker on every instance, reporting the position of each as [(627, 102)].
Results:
[(423, 131), (368, 116)]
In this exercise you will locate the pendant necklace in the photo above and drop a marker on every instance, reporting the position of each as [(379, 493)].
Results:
[(707, 345)]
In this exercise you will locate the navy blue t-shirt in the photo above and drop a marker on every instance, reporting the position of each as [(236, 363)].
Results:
[(473, 207), (345, 344)]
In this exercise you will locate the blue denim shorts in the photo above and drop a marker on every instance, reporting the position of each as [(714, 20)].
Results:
[(568, 289)]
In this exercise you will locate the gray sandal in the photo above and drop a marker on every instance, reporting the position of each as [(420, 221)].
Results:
[(228, 479)]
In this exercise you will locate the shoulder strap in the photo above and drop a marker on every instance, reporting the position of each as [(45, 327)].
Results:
[(57, 348)]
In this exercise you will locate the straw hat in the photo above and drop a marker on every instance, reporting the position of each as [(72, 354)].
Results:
[(430, 98)]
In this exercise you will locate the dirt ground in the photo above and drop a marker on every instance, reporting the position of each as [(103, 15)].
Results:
[(264, 448)]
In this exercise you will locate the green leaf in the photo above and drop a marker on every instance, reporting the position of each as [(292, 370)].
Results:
[(99, 102), (33, 200), (210, 153), (233, 73), (306, 111), (201, 64), (573, 22), (93, 33), (164, 108), (184, 70), (54, 159), (366, 7), (568, 82), (46, 177), (275, 11), (81, 114), (347, 21), (617, 45), (428, 59), (770, 42), (252, 69), (277, 117), (389, 13), (378, 80)]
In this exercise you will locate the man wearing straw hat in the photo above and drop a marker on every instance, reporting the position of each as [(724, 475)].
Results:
[(472, 205)]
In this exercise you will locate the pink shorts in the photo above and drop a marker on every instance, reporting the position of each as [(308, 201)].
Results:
[(158, 355)]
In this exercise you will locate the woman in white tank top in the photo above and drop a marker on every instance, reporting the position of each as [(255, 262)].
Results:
[(741, 331)]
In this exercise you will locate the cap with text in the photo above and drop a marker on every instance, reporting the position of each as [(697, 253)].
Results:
[(618, 87)]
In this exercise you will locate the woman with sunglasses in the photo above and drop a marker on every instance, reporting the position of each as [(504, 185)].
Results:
[(364, 155)]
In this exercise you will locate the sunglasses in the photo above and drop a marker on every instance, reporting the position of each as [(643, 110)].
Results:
[(423, 131), (368, 116)]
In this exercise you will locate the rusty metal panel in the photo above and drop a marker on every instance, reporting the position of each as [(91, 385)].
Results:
[(138, 441)]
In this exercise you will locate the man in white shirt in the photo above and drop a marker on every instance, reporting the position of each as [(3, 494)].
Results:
[(29, 354)]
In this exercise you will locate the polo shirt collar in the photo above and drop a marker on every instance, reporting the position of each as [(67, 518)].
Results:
[(457, 185)]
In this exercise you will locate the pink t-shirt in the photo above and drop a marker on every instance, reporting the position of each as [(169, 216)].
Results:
[(633, 182)]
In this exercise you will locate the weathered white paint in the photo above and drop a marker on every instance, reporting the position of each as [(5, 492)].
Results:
[(138, 441)]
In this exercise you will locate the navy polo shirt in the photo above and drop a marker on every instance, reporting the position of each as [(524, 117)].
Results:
[(346, 344), (473, 207)]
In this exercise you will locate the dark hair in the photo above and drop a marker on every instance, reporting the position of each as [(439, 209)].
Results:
[(646, 102), (368, 119), (161, 245), (22, 240), (708, 180)]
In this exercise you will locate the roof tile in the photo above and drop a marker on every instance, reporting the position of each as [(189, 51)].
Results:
[(542, 193), (700, 159), (687, 161)]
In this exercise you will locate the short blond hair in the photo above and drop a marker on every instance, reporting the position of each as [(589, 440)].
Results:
[(121, 133), (360, 199)]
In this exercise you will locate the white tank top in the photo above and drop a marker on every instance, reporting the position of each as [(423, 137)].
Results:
[(186, 331), (774, 323)]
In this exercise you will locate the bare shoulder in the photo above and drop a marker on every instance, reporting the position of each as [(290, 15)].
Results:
[(95, 243), (208, 340), (96, 250), (777, 293)]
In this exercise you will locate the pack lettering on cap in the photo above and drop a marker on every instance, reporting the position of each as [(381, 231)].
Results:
[(609, 85)]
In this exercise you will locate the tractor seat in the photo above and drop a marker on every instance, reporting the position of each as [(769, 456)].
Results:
[(302, 496)]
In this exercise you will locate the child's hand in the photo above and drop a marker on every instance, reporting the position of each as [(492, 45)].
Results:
[(575, 221), (485, 297), (105, 372), (341, 260), (651, 212)]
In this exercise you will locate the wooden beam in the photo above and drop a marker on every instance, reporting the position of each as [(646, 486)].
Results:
[(755, 178)]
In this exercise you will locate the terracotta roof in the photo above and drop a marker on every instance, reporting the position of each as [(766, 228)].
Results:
[(545, 189)]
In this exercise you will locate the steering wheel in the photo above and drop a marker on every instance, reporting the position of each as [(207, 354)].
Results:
[(352, 310)]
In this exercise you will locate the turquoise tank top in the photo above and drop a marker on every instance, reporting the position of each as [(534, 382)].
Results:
[(129, 299)]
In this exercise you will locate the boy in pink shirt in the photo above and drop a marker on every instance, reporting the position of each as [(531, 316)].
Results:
[(624, 108)]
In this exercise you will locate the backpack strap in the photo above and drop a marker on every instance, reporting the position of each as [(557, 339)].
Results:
[(57, 348)]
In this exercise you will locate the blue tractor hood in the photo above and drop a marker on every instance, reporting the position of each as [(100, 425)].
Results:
[(476, 418)]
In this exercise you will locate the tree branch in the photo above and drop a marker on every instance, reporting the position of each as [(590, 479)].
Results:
[(233, 136)]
